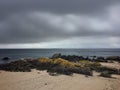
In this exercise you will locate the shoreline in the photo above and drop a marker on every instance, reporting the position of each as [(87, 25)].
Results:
[(73, 58), (62, 64), (60, 74)]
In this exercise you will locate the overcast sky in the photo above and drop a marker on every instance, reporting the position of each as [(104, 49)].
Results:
[(59, 23)]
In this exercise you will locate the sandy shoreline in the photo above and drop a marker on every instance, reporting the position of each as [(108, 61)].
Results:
[(41, 80)]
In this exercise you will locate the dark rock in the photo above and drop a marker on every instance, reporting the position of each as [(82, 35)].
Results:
[(6, 58), (72, 58), (87, 58), (93, 57), (56, 55), (113, 58), (101, 59)]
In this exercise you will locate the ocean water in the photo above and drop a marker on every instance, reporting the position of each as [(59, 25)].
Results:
[(16, 54)]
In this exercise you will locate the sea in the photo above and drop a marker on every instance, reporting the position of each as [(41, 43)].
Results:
[(16, 54)]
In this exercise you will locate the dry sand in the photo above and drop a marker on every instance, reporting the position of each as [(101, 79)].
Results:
[(112, 65), (41, 80)]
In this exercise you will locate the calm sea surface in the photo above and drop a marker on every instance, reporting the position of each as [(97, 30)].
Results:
[(15, 54)]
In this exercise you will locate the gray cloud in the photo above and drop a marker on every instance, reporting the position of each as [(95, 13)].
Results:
[(36, 21), (56, 6), (39, 27)]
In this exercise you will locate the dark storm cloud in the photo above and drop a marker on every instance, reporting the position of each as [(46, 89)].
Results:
[(8, 7), (34, 21)]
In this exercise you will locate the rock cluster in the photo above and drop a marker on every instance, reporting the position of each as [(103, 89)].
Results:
[(62, 64), (75, 58)]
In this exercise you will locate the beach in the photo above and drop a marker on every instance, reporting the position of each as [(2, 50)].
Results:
[(59, 74), (41, 80), (59, 45)]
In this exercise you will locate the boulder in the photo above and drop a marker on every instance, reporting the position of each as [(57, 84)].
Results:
[(5, 58), (101, 59), (56, 55)]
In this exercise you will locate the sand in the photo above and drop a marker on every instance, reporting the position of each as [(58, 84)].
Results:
[(41, 80), (112, 65)]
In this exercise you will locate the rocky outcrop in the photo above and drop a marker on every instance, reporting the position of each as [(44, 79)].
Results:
[(76, 58), (113, 58), (56, 55), (101, 59), (72, 58), (59, 65)]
